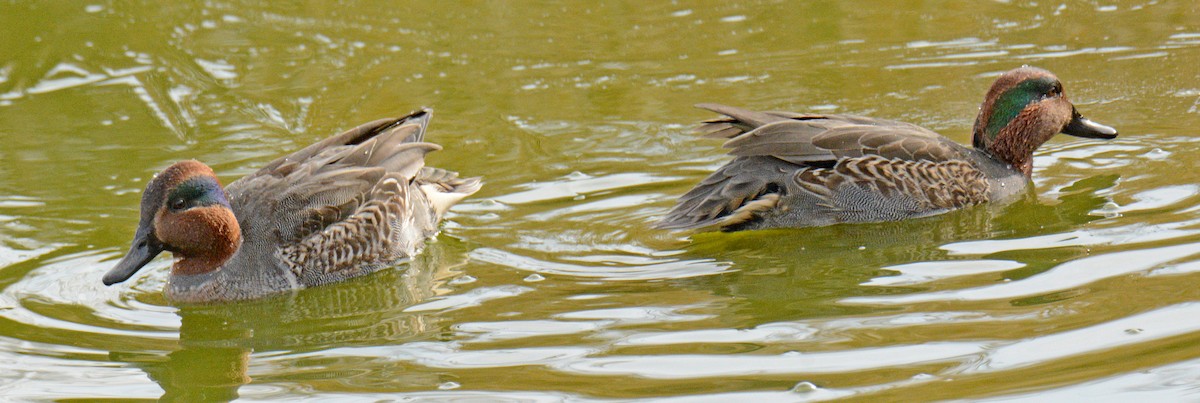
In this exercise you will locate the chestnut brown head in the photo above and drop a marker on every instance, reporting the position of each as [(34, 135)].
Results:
[(186, 212)]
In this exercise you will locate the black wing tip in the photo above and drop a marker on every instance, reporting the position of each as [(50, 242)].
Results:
[(423, 112), (419, 118), (720, 108), (741, 117)]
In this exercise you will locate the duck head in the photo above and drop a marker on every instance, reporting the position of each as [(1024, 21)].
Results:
[(1024, 108), (186, 212)]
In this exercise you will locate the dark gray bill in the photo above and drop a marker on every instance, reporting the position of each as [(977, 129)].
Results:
[(145, 248), (1082, 127)]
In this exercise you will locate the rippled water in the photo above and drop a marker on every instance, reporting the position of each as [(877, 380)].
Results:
[(550, 284)]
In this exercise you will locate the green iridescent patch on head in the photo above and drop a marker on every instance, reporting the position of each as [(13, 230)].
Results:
[(199, 190), (1012, 101)]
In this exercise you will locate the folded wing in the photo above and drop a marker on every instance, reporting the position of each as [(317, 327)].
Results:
[(349, 202), (838, 161)]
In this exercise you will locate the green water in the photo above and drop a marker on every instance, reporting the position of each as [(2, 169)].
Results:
[(550, 284)]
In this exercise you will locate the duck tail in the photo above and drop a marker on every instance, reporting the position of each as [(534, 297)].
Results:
[(445, 189)]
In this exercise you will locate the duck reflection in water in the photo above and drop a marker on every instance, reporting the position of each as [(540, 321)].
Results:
[(219, 343), (817, 266)]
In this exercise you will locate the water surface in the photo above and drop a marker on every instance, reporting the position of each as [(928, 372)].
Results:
[(550, 284)]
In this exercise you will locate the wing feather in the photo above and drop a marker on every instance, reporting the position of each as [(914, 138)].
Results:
[(334, 205), (825, 156)]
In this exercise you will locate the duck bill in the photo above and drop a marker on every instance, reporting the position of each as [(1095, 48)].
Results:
[(1082, 127), (145, 248)]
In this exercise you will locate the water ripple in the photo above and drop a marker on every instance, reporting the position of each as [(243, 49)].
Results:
[(1066, 276)]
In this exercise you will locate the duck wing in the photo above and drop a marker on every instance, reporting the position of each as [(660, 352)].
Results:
[(816, 138), (841, 162), (344, 204)]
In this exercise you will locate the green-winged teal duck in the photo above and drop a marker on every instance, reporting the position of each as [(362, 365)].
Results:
[(801, 170), (344, 207)]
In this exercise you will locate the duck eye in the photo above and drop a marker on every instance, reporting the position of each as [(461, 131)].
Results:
[(1053, 93), (178, 203)]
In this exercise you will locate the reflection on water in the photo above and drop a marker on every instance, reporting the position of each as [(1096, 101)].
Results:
[(550, 285)]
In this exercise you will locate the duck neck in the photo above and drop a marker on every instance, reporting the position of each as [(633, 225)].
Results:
[(1015, 142), (193, 264), (210, 237), (1015, 151)]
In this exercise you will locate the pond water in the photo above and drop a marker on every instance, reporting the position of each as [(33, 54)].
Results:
[(550, 284)]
